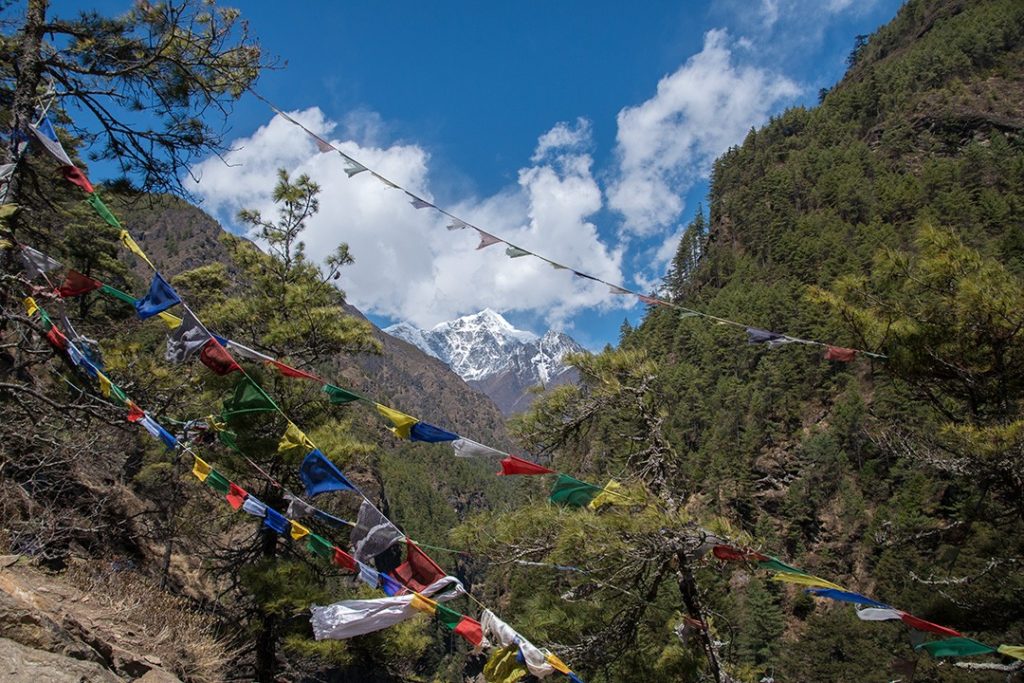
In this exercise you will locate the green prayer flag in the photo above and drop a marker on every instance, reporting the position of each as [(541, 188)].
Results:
[(119, 396), (320, 546), (47, 323), (569, 491), (248, 398), (516, 252), (338, 395), (777, 565), (216, 481), (117, 294), (96, 203), (955, 647), (447, 616), (228, 439)]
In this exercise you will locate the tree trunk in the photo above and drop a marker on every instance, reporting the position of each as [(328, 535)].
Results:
[(28, 69), (266, 638), (691, 600)]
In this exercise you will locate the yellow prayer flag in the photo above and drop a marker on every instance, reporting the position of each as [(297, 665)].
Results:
[(293, 438), (201, 469), (215, 423), (403, 423), (30, 306), (8, 210), (423, 604), (172, 321), (6, 244), (1012, 651), (559, 665), (298, 531), (133, 247), (806, 580), (105, 384), (610, 495)]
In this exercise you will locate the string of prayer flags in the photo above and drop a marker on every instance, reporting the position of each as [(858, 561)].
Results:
[(200, 468), (186, 340), (806, 580), (513, 465), (293, 438), (840, 354), (319, 475), (248, 397), (955, 647), (573, 492), (76, 284), (418, 571), (373, 534), (845, 596), (402, 423), (421, 431), (217, 359), (37, 263), (467, 448), (461, 625), (339, 396), (160, 297), (236, 495)]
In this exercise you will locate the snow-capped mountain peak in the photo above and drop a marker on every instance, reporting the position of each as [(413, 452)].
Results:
[(486, 350)]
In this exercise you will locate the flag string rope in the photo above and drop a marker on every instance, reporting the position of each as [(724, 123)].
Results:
[(355, 167)]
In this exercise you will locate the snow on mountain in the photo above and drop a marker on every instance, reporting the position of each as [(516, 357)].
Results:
[(495, 357)]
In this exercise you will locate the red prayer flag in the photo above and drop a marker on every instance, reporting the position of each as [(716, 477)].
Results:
[(289, 371), (922, 625), (726, 552), (217, 358), (840, 354), (471, 630), (76, 284), (344, 560), (650, 301), (57, 338), (418, 571), (514, 465), (134, 413), (236, 495), (73, 174)]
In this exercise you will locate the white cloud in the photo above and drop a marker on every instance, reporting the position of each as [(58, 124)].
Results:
[(408, 266), (669, 142)]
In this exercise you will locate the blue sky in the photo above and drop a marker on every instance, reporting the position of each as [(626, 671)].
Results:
[(583, 131)]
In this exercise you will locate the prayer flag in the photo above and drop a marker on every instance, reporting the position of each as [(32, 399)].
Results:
[(101, 209), (844, 596), (248, 397), (417, 202), (467, 448), (423, 604), (218, 482), (48, 137), (158, 432), (955, 647), (31, 307), (418, 571), (570, 491), (297, 530), (560, 666), (610, 496), (840, 354), (236, 495), (186, 340), (217, 358), (338, 396), (254, 507), (320, 475), (462, 625), (74, 175), (421, 431), (1016, 651), (118, 294), (879, 614), (498, 632), (516, 252), (172, 321), (778, 565), (457, 224), (76, 284), (352, 168), (922, 625), (730, 554), (293, 438), (615, 289), (759, 336), (322, 146), (503, 666), (344, 560), (384, 180), (514, 465), (298, 508), (289, 371), (160, 297), (403, 423), (373, 533), (200, 468), (585, 276), (486, 239), (57, 338), (389, 585), (134, 413), (37, 263), (320, 546), (275, 521), (649, 300), (806, 580), (132, 246)]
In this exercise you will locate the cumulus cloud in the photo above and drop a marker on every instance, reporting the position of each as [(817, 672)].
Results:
[(408, 265), (667, 143)]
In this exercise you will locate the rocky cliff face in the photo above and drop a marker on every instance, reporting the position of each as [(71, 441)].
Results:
[(494, 357)]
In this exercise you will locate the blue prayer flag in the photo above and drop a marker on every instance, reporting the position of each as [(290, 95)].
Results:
[(159, 298), (421, 431), (46, 128), (320, 475), (275, 521), (844, 596), (389, 585)]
